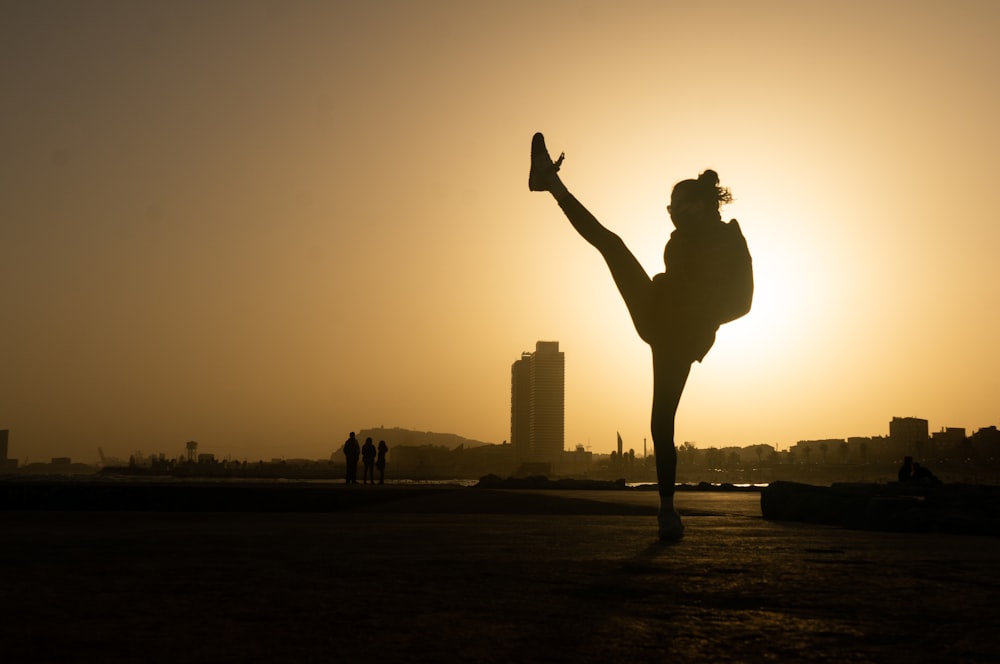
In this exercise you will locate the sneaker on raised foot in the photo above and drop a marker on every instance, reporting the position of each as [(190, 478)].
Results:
[(542, 166), (671, 528)]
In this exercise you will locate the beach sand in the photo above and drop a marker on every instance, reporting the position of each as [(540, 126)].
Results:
[(466, 574)]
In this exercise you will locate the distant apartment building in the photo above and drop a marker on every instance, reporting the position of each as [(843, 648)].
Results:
[(948, 438), (537, 404), (5, 463), (988, 439), (868, 449), (831, 450), (909, 436)]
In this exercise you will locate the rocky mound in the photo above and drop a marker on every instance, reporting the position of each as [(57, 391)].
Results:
[(958, 508)]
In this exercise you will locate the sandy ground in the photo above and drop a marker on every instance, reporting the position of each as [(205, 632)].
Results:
[(489, 576)]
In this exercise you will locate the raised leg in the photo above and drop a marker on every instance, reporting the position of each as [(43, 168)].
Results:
[(630, 277)]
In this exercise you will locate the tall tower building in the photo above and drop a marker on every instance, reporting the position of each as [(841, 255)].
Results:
[(520, 407), (537, 404)]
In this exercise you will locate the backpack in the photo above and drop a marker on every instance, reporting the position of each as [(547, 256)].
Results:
[(736, 267), (712, 272)]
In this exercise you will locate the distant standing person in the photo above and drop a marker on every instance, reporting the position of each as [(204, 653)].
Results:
[(368, 458), (383, 449), (352, 450)]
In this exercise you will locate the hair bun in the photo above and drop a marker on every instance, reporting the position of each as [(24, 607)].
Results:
[(709, 178)]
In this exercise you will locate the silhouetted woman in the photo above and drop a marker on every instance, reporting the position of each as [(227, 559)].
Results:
[(708, 281), (383, 449)]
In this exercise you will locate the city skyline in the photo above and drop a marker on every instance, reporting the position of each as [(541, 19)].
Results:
[(183, 449), (261, 225)]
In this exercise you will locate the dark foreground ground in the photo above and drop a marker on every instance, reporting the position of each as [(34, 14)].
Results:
[(467, 574)]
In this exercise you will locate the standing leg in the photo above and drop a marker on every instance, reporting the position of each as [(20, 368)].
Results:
[(670, 374)]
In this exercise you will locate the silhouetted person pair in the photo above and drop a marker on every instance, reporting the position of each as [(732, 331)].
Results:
[(352, 451), (368, 459), (707, 281), (913, 472)]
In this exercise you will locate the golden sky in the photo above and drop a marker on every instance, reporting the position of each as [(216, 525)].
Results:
[(260, 225)]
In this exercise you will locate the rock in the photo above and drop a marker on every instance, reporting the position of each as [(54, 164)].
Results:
[(896, 507)]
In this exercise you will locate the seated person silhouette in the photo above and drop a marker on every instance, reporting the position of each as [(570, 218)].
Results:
[(923, 476), (707, 281), (905, 473)]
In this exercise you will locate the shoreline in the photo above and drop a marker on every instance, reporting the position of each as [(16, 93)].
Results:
[(947, 509), (489, 494)]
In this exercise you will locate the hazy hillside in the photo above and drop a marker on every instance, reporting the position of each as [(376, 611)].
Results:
[(396, 437)]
